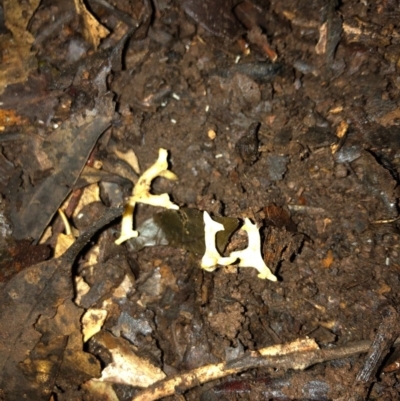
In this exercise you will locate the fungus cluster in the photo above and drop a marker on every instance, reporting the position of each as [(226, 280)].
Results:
[(249, 257), (141, 194)]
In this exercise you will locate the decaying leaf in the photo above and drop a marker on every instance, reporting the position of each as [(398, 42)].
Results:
[(19, 60), (91, 194), (215, 16), (127, 367), (100, 391), (38, 291), (9, 118), (61, 336), (18, 255), (75, 139), (93, 30), (129, 157), (183, 228), (281, 239), (103, 279), (92, 321)]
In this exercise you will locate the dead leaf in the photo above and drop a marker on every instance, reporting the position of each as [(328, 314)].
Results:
[(130, 158), (90, 194), (390, 118), (37, 292), (215, 16), (99, 391), (127, 367), (92, 322), (31, 99), (68, 149), (9, 118), (17, 59), (19, 255), (59, 353), (93, 30)]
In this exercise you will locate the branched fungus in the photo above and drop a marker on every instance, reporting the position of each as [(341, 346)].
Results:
[(251, 256), (211, 257), (141, 194)]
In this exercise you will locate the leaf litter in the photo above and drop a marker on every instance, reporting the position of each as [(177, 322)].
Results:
[(275, 84)]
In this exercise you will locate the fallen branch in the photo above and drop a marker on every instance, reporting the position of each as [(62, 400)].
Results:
[(208, 373), (297, 355)]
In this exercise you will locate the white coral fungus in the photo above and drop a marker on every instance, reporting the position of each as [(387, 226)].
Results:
[(141, 194), (212, 258), (249, 257)]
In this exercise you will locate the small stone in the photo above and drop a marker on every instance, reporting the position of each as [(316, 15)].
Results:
[(211, 134)]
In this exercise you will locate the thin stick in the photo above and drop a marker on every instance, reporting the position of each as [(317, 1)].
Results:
[(297, 355), (208, 373), (384, 339)]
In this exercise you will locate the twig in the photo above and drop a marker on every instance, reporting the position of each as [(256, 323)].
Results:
[(303, 360), (385, 338), (297, 355), (208, 373), (385, 221)]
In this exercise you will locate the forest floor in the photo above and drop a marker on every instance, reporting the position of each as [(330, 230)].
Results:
[(284, 113)]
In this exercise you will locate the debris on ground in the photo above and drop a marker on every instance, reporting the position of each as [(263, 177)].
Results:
[(281, 120)]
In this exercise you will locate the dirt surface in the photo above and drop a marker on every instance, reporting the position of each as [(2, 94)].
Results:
[(300, 135)]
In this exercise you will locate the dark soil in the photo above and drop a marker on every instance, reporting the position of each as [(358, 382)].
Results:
[(247, 137)]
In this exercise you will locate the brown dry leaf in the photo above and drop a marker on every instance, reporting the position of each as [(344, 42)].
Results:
[(127, 367), (92, 322), (341, 133), (18, 255), (130, 158), (384, 289), (390, 118), (320, 47), (90, 194), (16, 57), (76, 137), (93, 30), (28, 304), (9, 118), (168, 277), (58, 357), (100, 391), (64, 241)]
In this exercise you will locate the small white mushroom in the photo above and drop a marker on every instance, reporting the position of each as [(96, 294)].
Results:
[(251, 256), (211, 257)]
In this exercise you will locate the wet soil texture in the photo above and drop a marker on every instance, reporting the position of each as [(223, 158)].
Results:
[(285, 113)]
